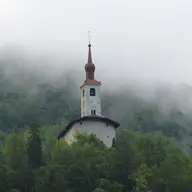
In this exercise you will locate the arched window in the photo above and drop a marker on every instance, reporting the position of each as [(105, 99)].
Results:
[(92, 92), (83, 92), (93, 112)]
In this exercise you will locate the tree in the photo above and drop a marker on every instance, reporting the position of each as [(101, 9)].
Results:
[(34, 148), (15, 159), (113, 143), (124, 160), (50, 178), (106, 185), (140, 176), (4, 180)]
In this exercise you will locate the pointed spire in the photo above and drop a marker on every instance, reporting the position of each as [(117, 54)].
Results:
[(89, 66), (89, 53)]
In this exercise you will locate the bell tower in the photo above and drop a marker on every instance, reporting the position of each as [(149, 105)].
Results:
[(90, 90), (91, 120)]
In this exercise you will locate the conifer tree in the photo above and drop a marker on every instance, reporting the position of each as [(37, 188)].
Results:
[(34, 148), (113, 143)]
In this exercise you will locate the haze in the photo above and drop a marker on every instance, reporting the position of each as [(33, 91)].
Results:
[(135, 40)]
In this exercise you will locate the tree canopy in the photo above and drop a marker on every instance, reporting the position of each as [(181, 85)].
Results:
[(152, 151)]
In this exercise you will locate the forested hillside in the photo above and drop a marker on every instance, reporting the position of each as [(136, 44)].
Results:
[(151, 153)]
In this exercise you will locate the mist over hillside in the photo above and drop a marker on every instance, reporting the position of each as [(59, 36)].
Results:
[(161, 107), (142, 54)]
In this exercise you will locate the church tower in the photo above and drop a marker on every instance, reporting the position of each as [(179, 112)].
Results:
[(91, 120), (90, 90)]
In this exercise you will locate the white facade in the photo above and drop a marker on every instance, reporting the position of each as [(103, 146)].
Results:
[(90, 100), (105, 132)]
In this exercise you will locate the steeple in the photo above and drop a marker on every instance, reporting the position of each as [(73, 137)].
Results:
[(91, 120), (89, 54), (89, 66), (90, 90)]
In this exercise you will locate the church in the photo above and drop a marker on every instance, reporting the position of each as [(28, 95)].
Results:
[(91, 120)]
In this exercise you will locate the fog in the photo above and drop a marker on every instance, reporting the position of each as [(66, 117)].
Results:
[(132, 41), (141, 49)]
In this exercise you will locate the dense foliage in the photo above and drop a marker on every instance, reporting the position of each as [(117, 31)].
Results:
[(34, 109), (136, 162)]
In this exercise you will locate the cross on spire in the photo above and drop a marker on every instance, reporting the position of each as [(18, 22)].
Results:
[(89, 37)]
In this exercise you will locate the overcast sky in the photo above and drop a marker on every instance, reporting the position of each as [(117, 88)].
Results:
[(132, 39)]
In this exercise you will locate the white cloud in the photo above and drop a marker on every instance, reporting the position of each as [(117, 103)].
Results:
[(137, 39)]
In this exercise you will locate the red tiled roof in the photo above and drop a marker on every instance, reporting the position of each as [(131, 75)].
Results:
[(90, 82)]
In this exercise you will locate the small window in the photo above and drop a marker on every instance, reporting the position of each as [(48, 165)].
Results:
[(83, 92), (93, 112), (92, 92)]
